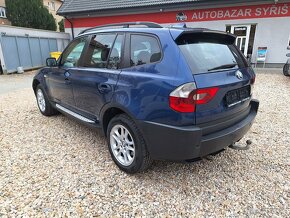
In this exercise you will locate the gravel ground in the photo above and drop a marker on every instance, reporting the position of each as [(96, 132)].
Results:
[(15, 82), (57, 167)]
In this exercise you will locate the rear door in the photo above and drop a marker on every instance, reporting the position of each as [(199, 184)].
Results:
[(94, 83), (216, 62)]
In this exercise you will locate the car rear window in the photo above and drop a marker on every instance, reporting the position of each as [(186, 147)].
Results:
[(204, 54)]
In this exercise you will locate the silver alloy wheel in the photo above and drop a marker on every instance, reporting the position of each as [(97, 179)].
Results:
[(40, 100), (122, 145)]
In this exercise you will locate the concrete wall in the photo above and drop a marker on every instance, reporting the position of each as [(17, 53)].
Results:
[(19, 31), (25, 38)]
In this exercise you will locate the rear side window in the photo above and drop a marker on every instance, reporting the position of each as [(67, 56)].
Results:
[(144, 50), (98, 50), (204, 55)]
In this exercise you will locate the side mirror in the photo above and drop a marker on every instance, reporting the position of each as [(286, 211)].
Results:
[(51, 62), (288, 55), (288, 47)]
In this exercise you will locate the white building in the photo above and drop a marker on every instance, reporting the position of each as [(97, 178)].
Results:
[(257, 24)]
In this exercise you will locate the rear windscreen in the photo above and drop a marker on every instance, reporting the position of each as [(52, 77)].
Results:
[(203, 55)]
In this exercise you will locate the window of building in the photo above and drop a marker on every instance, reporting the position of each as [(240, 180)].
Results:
[(228, 28), (144, 50), (3, 12), (98, 50), (51, 5)]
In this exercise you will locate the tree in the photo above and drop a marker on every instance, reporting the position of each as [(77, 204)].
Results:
[(61, 25), (29, 13)]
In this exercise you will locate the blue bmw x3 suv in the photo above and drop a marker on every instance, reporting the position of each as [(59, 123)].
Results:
[(158, 93)]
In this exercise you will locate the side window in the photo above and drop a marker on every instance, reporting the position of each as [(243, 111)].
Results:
[(115, 56), (72, 54), (98, 50), (144, 50)]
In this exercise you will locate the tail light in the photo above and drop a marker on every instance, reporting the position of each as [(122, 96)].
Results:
[(253, 80), (185, 98)]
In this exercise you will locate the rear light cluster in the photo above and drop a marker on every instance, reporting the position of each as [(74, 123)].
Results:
[(253, 80), (185, 98)]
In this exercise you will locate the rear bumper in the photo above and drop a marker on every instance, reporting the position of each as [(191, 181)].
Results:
[(184, 143)]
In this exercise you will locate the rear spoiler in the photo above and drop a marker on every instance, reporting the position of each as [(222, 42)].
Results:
[(196, 35)]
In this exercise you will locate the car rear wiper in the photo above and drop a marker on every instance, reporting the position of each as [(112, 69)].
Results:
[(224, 66)]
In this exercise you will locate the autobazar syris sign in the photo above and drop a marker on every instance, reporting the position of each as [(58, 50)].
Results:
[(195, 15), (242, 12)]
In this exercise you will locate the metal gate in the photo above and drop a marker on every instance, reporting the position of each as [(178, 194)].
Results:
[(24, 50), (27, 52)]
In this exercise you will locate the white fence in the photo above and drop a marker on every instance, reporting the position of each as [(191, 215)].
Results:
[(28, 48)]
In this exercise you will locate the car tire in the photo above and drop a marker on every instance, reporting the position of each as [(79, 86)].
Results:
[(286, 69), (43, 103), (127, 145)]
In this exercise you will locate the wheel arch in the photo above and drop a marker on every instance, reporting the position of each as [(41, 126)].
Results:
[(35, 83), (110, 111)]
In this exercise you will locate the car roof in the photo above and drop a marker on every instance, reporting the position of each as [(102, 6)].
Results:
[(175, 30), (137, 29)]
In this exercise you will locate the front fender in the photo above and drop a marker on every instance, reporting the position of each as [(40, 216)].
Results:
[(40, 78)]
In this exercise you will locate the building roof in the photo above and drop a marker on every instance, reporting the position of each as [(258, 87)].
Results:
[(108, 7), (79, 6)]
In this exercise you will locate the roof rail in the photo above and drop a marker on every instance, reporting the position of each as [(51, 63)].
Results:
[(125, 25), (178, 25)]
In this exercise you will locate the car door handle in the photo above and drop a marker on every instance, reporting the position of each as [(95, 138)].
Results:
[(104, 87), (67, 75)]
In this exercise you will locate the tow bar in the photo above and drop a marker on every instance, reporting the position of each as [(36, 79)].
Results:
[(233, 146), (241, 147)]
